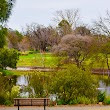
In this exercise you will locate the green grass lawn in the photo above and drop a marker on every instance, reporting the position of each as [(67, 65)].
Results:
[(48, 60), (37, 59)]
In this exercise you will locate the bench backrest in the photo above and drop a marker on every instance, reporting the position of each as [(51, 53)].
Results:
[(31, 101)]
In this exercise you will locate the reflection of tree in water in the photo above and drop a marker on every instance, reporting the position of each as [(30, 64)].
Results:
[(105, 80)]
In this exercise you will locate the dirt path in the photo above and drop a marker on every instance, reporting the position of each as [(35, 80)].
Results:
[(59, 108)]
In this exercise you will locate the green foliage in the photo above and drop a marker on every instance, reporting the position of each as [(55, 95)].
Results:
[(2, 99), (107, 100), (101, 96), (8, 103), (72, 82), (3, 33), (6, 88), (15, 91), (5, 9), (19, 35), (83, 100), (61, 102), (8, 58), (78, 100), (36, 82), (63, 23)]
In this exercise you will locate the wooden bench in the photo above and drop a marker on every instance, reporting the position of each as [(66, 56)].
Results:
[(31, 102)]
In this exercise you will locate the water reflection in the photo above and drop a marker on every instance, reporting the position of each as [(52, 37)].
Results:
[(33, 84), (104, 87), (22, 81)]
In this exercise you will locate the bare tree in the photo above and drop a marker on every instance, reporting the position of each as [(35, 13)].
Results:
[(54, 37), (42, 37), (71, 16), (102, 26), (24, 45)]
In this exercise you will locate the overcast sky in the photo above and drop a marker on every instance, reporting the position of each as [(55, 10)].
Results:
[(42, 11)]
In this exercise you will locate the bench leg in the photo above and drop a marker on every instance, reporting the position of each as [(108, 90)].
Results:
[(18, 107), (44, 104), (18, 104)]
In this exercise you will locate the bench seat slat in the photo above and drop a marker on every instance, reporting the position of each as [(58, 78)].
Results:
[(31, 101)]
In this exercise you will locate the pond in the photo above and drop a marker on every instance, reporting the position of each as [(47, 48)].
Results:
[(24, 80)]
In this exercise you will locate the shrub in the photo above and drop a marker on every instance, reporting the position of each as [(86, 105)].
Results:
[(83, 100), (74, 83), (60, 102), (75, 101), (15, 92), (8, 103), (101, 96), (2, 99), (107, 100)]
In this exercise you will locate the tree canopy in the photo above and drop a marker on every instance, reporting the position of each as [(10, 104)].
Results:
[(5, 9)]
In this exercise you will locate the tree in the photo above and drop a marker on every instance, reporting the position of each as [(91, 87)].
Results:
[(38, 36), (24, 44), (64, 28), (102, 26), (71, 16), (14, 38), (41, 37), (53, 36), (73, 83), (3, 33), (5, 11), (67, 21), (75, 47), (105, 51), (82, 30)]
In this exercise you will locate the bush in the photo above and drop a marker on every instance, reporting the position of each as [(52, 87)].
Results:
[(75, 101), (2, 100), (8, 103), (61, 102), (74, 83), (83, 100), (101, 96), (107, 100), (15, 92)]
